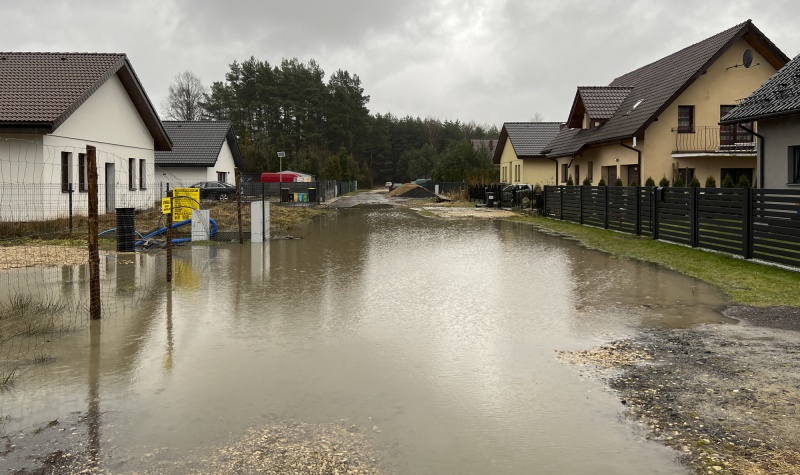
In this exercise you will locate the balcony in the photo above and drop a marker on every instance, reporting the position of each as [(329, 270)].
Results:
[(725, 140)]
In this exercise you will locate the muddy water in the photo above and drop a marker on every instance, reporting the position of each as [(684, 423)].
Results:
[(436, 339)]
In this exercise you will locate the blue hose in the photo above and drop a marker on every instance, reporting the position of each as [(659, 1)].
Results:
[(162, 230)]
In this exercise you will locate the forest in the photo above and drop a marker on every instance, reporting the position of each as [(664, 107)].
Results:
[(326, 129)]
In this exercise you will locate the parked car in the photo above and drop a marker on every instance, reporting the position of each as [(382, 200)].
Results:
[(215, 190)]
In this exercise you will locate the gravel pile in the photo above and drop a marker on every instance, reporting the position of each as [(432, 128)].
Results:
[(411, 190), (15, 257)]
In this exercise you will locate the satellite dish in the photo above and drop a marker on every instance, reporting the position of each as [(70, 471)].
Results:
[(747, 58)]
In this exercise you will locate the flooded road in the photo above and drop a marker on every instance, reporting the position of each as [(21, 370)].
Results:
[(434, 339)]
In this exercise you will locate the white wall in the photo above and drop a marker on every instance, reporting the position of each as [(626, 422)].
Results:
[(779, 134), (224, 164), (109, 121)]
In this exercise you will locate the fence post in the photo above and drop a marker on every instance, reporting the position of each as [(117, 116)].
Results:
[(544, 202), (580, 204), (605, 208), (169, 238), (70, 191), (238, 178), (747, 224), (94, 249), (694, 222), (654, 197), (560, 202), (637, 191)]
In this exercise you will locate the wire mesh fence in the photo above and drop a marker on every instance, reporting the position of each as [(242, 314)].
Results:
[(51, 285)]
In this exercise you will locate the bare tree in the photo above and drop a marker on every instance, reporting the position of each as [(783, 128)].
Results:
[(185, 100), (537, 117)]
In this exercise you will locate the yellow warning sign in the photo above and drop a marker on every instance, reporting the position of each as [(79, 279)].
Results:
[(166, 208), (183, 202)]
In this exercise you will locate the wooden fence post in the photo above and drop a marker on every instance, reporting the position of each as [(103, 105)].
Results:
[(94, 249)]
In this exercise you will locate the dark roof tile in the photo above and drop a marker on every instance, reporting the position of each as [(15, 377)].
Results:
[(197, 143), (780, 95)]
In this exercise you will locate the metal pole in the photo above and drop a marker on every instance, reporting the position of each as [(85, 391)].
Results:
[(239, 203), (94, 249), (169, 237)]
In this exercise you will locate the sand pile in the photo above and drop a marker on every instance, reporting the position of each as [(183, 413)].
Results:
[(410, 190)]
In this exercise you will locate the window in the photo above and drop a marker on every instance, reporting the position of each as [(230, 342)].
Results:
[(736, 175), (685, 119), (589, 173), (794, 164), (66, 171), (733, 136), (142, 174), (686, 175), (222, 177), (577, 175), (132, 173), (82, 173), (503, 178), (564, 172)]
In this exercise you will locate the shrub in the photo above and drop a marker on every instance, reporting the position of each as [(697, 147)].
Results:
[(601, 182), (664, 182), (711, 182), (633, 183), (743, 182), (650, 182), (569, 181), (587, 181), (678, 183), (695, 183), (618, 182), (727, 182)]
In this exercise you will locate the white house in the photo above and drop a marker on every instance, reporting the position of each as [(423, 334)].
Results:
[(202, 150), (52, 105)]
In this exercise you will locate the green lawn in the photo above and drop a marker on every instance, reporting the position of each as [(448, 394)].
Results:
[(744, 282)]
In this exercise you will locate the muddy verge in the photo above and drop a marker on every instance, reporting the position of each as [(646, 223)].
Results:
[(726, 397)]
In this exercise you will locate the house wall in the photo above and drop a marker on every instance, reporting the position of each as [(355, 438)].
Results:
[(224, 164), (507, 162), (718, 86), (109, 121), (183, 176), (601, 157), (538, 171), (779, 134)]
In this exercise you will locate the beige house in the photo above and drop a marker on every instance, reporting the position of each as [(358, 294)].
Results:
[(52, 105), (662, 120), (519, 153), (775, 108)]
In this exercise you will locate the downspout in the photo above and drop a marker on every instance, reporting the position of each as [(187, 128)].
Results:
[(638, 159), (760, 160)]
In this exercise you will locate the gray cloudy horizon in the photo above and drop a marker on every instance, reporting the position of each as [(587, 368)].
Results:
[(488, 61)]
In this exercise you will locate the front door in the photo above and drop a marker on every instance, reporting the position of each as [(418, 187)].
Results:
[(111, 188)]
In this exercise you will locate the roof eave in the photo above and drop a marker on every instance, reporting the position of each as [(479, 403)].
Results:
[(754, 118), (141, 101), (26, 127)]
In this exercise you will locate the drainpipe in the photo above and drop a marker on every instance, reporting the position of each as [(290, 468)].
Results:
[(760, 160), (638, 159)]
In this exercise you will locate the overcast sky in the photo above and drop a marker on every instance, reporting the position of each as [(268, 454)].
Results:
[(491, 61)]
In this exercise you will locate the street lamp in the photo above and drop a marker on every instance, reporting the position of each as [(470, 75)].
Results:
[(280, 169)]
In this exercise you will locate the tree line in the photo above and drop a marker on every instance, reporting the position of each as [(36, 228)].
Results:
[(325, 128)]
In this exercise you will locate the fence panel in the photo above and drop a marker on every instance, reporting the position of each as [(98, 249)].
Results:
[(571, 210), (622, 209), (675, 215), (594, 205), (721, 219), (776, 226), (646, 197), (552, 200)]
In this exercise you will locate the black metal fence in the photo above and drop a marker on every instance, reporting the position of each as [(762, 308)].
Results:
[(752, 223)]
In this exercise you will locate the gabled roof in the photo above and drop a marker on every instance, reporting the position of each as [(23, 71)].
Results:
[(779, 96), (197, 143), (527, 138), (655, 86), (600, 102), (39, 91)]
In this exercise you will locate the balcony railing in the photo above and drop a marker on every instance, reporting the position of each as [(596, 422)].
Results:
[(726, 139)]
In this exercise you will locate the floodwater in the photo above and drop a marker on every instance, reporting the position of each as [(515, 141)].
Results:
[(434, 338)]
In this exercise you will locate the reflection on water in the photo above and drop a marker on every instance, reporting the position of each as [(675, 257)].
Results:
[(435, 338)]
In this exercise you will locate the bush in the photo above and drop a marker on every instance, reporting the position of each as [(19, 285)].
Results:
[(695, 183), (601, 182), (633, 183), (664, 182), (650, 182), (728, 182), (569, 181), (743, 182), (711, 182), (587, 181), (618, 182), (678, 183)]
